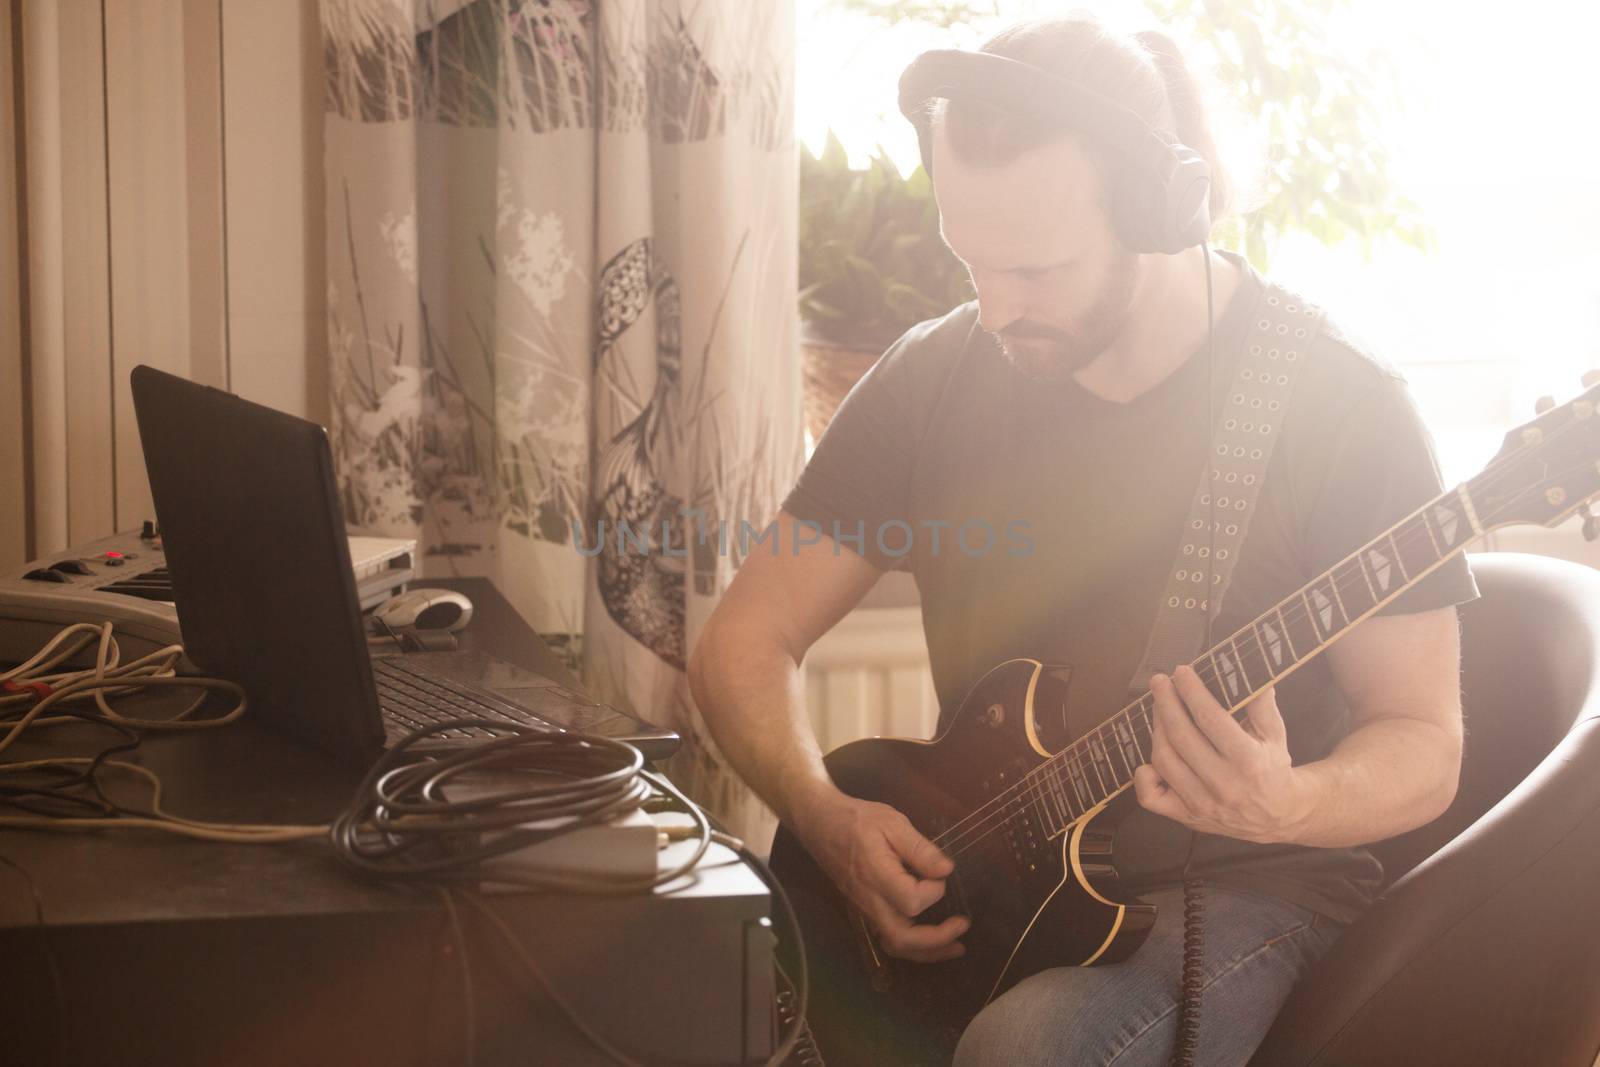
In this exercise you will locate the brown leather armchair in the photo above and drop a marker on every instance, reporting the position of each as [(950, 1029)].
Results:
[(1485, 946)]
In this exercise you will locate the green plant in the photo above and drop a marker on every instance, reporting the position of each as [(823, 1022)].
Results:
[(1320, 111), (872, 263)]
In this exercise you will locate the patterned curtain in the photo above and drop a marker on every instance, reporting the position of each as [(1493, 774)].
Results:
[(561, 270)]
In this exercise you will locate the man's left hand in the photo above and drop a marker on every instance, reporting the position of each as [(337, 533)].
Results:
[(1216, 775)]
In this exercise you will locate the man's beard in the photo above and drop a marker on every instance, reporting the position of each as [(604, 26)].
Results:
[(1054, 354)]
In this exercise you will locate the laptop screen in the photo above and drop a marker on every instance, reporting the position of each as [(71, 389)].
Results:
[(260, 562)]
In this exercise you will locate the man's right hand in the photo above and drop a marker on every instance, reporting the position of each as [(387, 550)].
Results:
[(887, 869), (745, 675)]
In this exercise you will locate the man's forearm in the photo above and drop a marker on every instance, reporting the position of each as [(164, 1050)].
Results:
[(751, 695), (1386, 777)]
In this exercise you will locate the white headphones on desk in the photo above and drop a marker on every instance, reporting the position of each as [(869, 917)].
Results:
[(425, 609)]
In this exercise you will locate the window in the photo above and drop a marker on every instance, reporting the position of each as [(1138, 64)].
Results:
[(1492, 145)]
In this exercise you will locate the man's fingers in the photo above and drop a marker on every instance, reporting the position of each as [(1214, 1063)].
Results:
[(1169, 763), (1177, 730), (1155, 795), (1210, 718), (911, 894), (938, 955), (920, 854), (1265, 718), (908, 895), (921, 942)]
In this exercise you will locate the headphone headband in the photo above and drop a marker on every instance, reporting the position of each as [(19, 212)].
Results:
[(1011, 85), (1160, 192)]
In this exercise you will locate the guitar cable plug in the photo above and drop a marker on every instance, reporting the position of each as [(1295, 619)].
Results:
[(1591, 523)]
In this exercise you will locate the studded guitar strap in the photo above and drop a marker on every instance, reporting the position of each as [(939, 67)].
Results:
[(1282, 329)]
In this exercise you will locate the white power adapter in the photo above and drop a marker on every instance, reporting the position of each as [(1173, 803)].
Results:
[(625, 847)]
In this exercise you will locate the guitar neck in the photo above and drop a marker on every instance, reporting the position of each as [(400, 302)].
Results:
[(1100, 764)]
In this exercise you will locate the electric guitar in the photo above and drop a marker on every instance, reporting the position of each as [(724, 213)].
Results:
[(1030, 831)]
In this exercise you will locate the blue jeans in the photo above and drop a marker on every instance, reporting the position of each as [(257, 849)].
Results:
[(1256, 947)]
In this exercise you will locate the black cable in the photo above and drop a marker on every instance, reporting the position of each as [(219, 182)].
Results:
[(1186, 1039), (62, 1024), (798, 1029), (63, 797), (387, 629), (469, 1004), (404, 825), (798, 1037)]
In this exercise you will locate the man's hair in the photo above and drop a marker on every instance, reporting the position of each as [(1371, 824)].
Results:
[(1144, 72)]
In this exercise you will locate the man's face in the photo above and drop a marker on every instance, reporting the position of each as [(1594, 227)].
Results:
[(1054, 283)]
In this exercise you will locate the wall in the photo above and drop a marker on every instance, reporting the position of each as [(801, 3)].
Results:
[(13, 459), (169, 213)]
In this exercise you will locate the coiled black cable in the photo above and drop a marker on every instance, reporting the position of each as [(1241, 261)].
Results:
[(404, 824), (1186, 1042)]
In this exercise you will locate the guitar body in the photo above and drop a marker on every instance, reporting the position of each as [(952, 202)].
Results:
[(1035, 901)]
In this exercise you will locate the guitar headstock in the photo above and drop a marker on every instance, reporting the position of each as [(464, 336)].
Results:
[(1547, 468)]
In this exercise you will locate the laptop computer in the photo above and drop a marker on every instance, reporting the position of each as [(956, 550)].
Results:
[(255, 542)]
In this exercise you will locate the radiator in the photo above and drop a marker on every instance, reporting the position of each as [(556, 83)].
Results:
[(868, 677)]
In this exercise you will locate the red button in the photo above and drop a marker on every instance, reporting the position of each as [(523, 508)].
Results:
[(113, 555)]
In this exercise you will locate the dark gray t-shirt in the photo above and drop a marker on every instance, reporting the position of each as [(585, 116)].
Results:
[(1072, 508)]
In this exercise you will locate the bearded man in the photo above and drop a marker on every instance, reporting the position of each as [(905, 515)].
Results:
[(1076, 401)]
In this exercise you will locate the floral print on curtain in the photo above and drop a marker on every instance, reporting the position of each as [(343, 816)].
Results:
[(561, 263)]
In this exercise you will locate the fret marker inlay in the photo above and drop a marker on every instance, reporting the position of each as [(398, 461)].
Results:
[(1229, 675), (1324, 608), (1445, 518), (1380, 568), (1274, 644)]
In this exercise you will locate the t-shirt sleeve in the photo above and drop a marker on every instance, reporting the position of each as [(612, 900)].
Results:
[(1381, 468), (856, 485)]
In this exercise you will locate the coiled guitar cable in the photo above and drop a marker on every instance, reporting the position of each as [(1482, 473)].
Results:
[(404, 825), (1186, 1041)]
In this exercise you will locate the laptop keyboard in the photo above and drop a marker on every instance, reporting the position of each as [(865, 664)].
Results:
[(414, 701)]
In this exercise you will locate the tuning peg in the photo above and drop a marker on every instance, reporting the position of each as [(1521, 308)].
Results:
[(1591, 524), (1591, 377), (1543, 404)]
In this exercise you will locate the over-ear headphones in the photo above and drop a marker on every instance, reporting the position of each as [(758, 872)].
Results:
[(1158, 189)]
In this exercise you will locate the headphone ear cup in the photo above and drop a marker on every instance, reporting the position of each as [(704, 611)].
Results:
[(1137, 209), (1188, 199), (1162, 202)]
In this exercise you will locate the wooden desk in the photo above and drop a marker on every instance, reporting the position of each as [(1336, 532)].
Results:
[(174, 951)]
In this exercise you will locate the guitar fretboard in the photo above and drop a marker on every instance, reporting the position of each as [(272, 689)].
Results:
[(1100, 764)]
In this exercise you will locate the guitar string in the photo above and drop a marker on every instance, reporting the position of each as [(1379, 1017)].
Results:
[(1499, 475), (1413, 529), (1413, 536), (1034, 788)]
